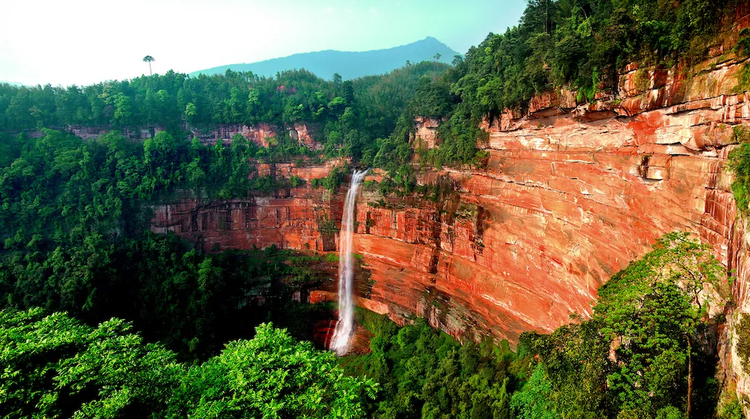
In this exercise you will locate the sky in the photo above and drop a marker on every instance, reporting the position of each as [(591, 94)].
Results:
[(87, 41)]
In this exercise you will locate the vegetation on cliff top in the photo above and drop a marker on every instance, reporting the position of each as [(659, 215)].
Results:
[(580, 44), (72, 212), (739, 164)]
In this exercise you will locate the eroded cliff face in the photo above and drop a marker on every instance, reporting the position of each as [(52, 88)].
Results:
[(260, 134), (569, 195), (301, 218)]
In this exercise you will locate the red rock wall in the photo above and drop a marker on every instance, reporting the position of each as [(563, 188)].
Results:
[(426, 134), (294, 218), (569, 196), (260, 133)]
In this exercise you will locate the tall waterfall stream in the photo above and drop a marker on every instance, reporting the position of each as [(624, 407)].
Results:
[(341, 340)]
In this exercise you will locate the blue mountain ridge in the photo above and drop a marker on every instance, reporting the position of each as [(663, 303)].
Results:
[(349, 64)]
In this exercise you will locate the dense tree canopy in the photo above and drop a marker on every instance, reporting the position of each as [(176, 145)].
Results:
[(54, 366), (579, 44), (428, 374), (643, 354)]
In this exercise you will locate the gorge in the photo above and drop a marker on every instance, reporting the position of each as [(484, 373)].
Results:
[(569, 194), (568, 197), (555, 225)]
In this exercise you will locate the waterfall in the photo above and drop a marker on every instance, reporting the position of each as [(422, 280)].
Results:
[(345, 325)]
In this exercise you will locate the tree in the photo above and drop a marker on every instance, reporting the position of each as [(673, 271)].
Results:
[(639, 355), (651, 312), (270, 376), (533, 400), (437, 56), (54, 366), (190, 111), (148, 59)]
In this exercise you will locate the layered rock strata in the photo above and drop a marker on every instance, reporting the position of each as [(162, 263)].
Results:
[(302, 217), (570, 194)]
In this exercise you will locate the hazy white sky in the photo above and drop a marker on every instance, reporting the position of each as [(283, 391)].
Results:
[(87, 41)]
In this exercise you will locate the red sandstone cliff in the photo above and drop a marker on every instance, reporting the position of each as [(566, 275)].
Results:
[(259, 133), (296, 218), (570, 194)]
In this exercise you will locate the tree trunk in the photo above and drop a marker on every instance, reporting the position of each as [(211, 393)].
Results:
[(150, 73), (690, 379)]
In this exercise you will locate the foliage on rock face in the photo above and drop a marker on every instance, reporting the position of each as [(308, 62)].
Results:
[(580, 44), (739, 164), (645, 353), (742, 332), (731, 408), (64, 188), (70, 211), (568, 42), (336, 177), (56, 367), (642, 354)]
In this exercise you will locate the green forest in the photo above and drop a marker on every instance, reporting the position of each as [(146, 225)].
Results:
[(57, 366), (102, 318)]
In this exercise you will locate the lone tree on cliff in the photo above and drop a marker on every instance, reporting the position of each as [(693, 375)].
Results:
[(148, 59)]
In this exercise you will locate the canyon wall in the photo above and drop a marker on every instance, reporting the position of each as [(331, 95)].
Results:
[(569, 194), (303, 217)]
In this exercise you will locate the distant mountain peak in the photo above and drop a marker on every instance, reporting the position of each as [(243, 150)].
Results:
[(349, 64)]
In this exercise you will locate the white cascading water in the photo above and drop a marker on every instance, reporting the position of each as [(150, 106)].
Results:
[(345, 326)]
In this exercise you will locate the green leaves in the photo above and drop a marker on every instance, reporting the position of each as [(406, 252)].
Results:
[(51, 363), (270, 376), (739, 163), (640, 354), (54, 366), (426, 373)]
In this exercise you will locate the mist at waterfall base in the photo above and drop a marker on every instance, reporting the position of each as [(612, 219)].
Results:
[(341, 340)]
